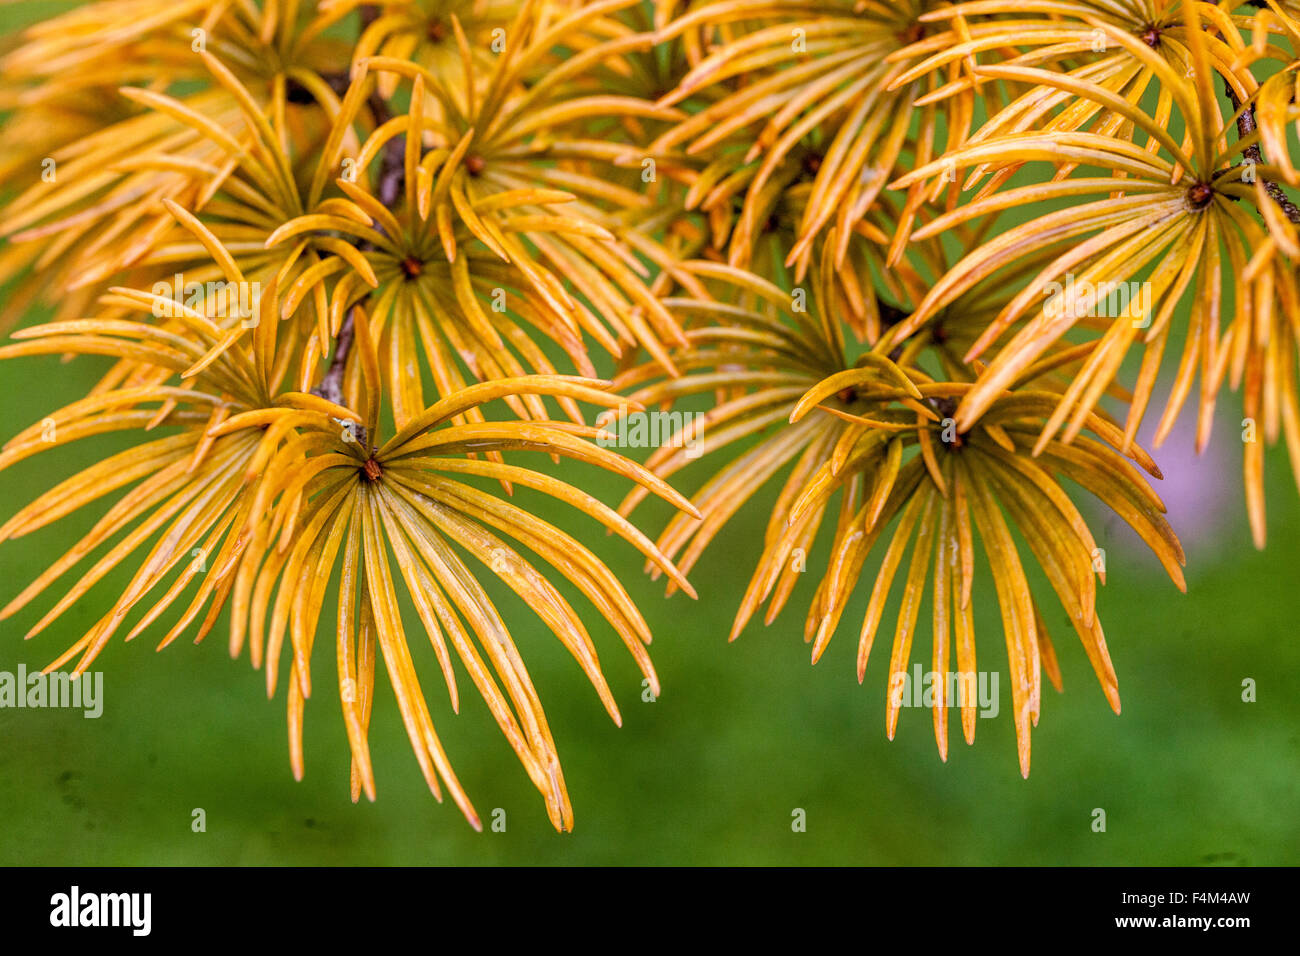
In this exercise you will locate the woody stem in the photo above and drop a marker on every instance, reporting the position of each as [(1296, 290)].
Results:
[(392, 175), (1245, 127)]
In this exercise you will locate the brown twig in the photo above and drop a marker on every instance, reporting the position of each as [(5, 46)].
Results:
[(1245, 127), (331, 383), (392, 180), (392, 165)]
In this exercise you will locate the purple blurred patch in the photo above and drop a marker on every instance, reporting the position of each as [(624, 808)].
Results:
[(1202, 493)]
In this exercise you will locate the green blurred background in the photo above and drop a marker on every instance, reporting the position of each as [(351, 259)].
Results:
[(742, 736)]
